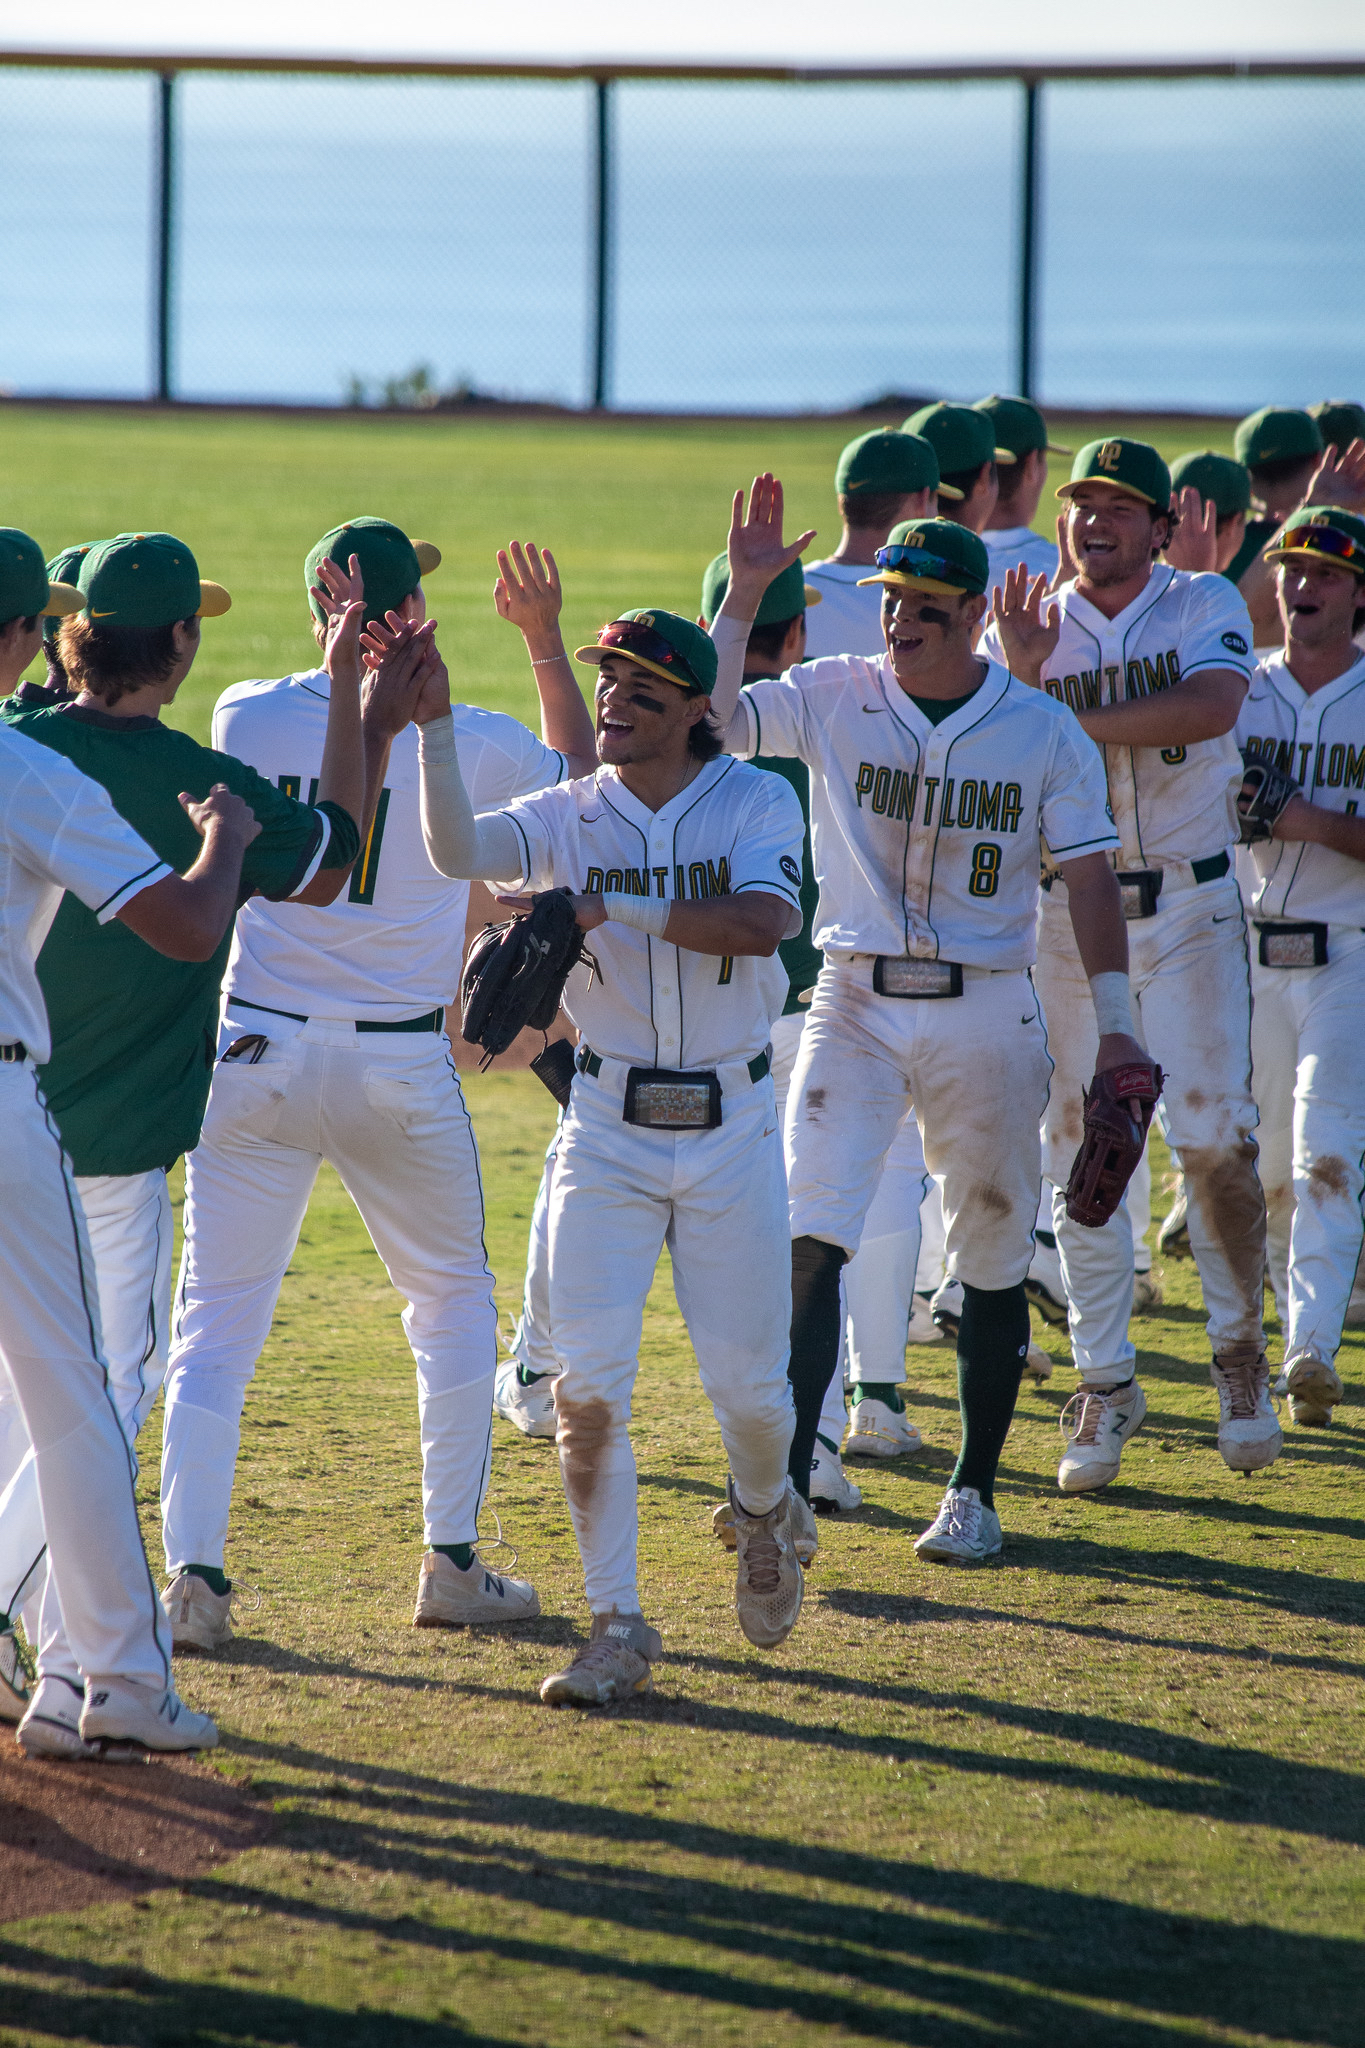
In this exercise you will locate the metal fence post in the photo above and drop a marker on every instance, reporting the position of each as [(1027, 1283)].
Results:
[(165, 233), (602, 249), (1028, 239)]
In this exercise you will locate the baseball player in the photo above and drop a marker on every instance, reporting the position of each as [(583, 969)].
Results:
[(332, 1046), (59, 831), (1282, 448), (932, 774), (1213, 500), (1020, 428), (882, 477), (128, 1077), (1305, 711), (1155, 662), (64, 568), (686, 867), (1340, 421), (970, 459)]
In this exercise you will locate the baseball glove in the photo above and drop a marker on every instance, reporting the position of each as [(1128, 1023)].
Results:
[(515, 973), (1265, 791), (1113, 1140)]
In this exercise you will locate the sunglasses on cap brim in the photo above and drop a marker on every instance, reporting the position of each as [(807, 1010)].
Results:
[(920, 565), (642, 643), (1321, 540)]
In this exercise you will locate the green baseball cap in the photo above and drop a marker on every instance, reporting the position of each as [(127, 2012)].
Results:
[(890, 460), (1131, 466), (961, 437), (65, 568), (1275, 434), (391, 565), (1018, 425), (933, 555), (1321, 533), (146, 579), (26, 589), (1340, 421), (665, 644), (1218, 477), (784, 597)]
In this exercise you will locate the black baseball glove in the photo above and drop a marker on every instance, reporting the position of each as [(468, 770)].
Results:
[(515, 973), (1118, 1109), (1265, 791)]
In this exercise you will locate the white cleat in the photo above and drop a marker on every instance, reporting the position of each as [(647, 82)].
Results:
[(1314, 1389), (1043, 1284), (1147, 1294), (52, 1726), (529, 1409), (124, 1720), (200, 1619), (15, 1692), (614, 1664), (448, 1597), (1107, 1418), (946, 1307), (1037, 1364), (876, 1430), (1249, 1434), (922, 1328), (831, 1489), (769, 1585), (962, 1532), (805, 1529)]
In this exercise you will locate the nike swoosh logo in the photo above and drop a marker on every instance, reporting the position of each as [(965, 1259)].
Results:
[(871, 710), (1230, 918)]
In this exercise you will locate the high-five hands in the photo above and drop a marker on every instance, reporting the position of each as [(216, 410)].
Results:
[(341, 596), (527, 592), (1194, 544), (407, 678), (1029, 625), (756, 549), (1339, 479)]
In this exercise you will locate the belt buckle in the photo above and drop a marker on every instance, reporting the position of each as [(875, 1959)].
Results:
[(1292, 945), (1139, 888), (916, 979), (661, 1099)]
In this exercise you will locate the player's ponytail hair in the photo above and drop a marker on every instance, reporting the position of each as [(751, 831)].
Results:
[(112, 661)]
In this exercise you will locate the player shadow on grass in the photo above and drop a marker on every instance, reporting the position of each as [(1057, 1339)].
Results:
[(925, 1955)]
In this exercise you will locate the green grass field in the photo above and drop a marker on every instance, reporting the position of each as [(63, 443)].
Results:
[(1110, 1790)]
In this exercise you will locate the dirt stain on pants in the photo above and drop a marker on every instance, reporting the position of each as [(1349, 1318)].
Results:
[(585, 1429), (1227, 1215)]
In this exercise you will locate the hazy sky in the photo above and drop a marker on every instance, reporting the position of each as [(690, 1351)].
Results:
[(785, 31)]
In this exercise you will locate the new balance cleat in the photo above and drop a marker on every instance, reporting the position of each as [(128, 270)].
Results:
[(769, 1586), (1043, 1284), (52, 1726), (879, 1429), (531, 1409), (831, 1489), (449, 1597), (200, 1619), (1105, 1418), (1037, 1364), (946, 1307), (1249, 1434), (124, 1720), (614, 1664), (1314, 1389), (15, 1690), (964, 1531), (1147, 1294)]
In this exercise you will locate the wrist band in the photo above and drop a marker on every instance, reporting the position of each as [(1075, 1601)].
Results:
[(546, 659), (436, 739), (642, 913), (1112, 996)]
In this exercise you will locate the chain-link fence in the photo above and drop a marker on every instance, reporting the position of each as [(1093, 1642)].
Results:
[(687, 245)]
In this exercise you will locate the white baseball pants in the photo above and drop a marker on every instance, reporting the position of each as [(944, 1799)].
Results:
[(1192, 993), (50, 1346), (976, 1069), (386, 1110), (1308, 1076), (718, 1200)]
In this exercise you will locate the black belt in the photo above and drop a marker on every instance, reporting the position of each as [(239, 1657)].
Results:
[(590, 1062), (434, 1020), (10, 1055), (1211, 869)]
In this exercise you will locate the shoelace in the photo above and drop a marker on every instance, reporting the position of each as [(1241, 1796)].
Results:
[(1087, 1430), (1239, 1381), (594, 1656), (964, 1516), (763, 1563)]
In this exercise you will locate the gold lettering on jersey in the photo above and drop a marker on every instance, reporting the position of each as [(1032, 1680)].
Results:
[(1144, 678), (701, 879), (966, 806), (1334, 767)]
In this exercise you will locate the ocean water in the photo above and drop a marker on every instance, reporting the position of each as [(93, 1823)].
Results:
[(775, 248)]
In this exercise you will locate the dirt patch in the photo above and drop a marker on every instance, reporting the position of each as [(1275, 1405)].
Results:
[(1196, 1099), (1327, 1177), (988, 1199), (73, 1835), (584, 1431), (1225, 1197), (814, 1103)]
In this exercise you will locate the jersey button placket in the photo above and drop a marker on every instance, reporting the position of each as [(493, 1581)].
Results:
[(919, 863), (666, 967)]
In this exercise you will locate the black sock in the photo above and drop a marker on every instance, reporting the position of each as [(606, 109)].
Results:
[(213, 1577), (1046, 1237), (816, 1330), (991, 1342), (461, 1554)]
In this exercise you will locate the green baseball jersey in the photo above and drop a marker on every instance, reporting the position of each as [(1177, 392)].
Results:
[(133, 1033)]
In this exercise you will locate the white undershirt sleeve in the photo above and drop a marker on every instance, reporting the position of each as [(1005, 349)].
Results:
[(732, 641), (458, 844)]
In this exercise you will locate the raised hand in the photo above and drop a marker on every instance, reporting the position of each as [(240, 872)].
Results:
[(1339, 479), (223, 810), (527, 593), (336, 590), (406, 673), (1029, 626), (756, 548), (1194, 544), (1066, 567)]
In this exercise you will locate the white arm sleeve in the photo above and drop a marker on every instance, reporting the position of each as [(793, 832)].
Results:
[(458, 844), (732, 641)]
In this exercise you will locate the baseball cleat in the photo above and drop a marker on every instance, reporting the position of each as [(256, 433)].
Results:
[(769, 1586), (200, 1618), (124, 1720), (612, 1665), (1107, 1418), (1147, 1294), (831, 1490), (448, 1597), (1313, 1387), (1173, 1238), (946, 1307), (15, 1692), (963, 1531), (1249, 1434), (531, 1409), (1043, 1284), (922, 1329), (805, 1531), (52, 1726), (1037, 1364), (878, 1429)]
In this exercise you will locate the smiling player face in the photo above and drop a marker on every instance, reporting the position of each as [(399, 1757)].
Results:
[(925, 629), (1318, 601), (640, 717), (1109, 533)]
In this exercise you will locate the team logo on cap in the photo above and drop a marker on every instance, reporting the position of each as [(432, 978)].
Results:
[(1110, 455), (644, 619)]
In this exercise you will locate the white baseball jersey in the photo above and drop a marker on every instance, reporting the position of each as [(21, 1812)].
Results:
[(58, 830), (847, 620), (1320, 741), (391, 947), (652, 1004), (1170, 803), (1007, 547), (925, 837)]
